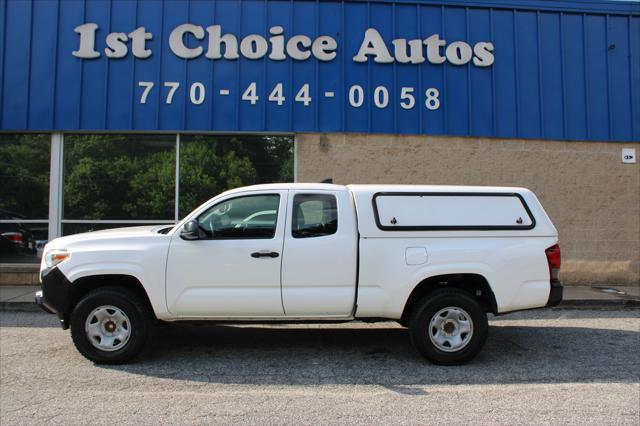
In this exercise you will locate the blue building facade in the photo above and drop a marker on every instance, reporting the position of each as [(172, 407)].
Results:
[(567, 70)]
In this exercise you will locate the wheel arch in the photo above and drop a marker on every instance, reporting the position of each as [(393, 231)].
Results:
[(473, 283), (82, 286)]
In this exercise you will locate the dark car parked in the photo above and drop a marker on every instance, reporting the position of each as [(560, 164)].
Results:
[(17, 242)]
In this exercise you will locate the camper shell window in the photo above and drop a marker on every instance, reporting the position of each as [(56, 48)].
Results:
[(440, 211)]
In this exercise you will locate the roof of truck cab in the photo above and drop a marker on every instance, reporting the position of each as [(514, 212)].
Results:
[(372, 188), (433, 188), (285, 186), (376, 188)]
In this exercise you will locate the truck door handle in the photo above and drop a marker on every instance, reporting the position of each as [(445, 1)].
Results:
[(265, 253)]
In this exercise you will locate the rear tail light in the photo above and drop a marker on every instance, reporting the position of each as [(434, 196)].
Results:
[(553, 259), (14, 237)]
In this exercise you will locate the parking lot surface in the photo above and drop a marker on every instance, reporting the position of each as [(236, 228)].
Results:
[(551, 366)]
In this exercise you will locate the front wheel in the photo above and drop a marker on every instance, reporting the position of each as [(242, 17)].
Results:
[(110, 325), (448, 327)]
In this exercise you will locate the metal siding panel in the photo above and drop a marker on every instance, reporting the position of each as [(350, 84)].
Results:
[(43, 51), (456, 94), (432, 76), (277, 116), (329, 109), (92, 99), (596, 63), (304, 22), (407, 75), (145, 115), (355, 73), (123, 90), (481, 78), (226, 73), (254, 16), (198, 116), (619, 77), (574, 78), (68, 68), (528, 87), (3, 32), (173, 69), (551, 76), (505, 74), (15, 102), (381, 75), (623, 7), (634, 80)]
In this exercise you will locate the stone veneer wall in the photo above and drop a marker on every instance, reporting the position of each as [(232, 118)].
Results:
[(19, 275), (590, 195)]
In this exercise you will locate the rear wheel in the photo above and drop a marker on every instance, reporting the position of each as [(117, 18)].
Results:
[(110, 325), (448, 327)]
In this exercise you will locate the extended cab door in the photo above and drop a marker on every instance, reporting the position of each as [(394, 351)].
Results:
[(320, 254), (234, 269)]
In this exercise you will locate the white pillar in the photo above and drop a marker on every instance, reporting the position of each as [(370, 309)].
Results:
[(177, 197), (55, 186)]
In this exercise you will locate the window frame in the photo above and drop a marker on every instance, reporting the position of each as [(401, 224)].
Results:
[(453, 227)]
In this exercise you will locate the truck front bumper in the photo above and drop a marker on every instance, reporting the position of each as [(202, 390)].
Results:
[(555, 293), (55, 295), (43, 305)]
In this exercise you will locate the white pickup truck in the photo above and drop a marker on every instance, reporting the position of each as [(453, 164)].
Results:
[(436, 259)]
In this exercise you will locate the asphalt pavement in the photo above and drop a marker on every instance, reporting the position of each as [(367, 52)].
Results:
[(539, 367)]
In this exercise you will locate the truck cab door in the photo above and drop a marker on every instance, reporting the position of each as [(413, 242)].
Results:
[(320, 254), (233, 269)]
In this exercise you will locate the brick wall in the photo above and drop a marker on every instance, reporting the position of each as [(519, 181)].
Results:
[(591, 196)]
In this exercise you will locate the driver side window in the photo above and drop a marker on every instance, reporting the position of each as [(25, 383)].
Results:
[(251, 217)]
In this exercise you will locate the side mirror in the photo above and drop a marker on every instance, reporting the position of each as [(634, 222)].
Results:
[(191, 231)]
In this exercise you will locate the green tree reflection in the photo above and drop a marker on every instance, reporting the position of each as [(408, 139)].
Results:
[(132, 177)]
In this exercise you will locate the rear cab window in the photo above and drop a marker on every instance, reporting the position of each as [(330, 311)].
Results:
[(314, 215)]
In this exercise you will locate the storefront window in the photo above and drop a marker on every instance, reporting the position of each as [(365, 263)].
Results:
[(119, 177), (211, 164), (116, 180), (24, 196)]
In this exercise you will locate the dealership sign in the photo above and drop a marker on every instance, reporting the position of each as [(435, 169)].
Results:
[(526, 69), (277, 48)]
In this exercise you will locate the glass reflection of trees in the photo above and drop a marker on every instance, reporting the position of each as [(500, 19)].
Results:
[(126, 177), (24, 196), (132, 177)]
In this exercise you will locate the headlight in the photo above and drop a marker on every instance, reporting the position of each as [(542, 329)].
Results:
[(54, 257)]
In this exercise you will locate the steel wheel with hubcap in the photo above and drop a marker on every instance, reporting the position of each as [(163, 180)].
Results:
[(448, 326), (108, 328), (110, 325), (451, 329)]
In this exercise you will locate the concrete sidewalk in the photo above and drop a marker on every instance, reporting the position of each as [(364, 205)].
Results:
[(21, 297)]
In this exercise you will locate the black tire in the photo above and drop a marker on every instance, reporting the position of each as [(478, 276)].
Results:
[(425, 311), (139, 324)]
